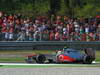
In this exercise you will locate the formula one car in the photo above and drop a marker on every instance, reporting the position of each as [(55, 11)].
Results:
[(67, 55)]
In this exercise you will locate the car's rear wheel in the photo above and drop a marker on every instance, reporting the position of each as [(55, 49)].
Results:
[(87, 60)]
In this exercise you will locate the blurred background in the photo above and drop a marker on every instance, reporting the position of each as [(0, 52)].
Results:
[(50, 20)]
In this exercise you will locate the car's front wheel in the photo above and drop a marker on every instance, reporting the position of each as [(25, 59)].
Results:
[(40, 58)]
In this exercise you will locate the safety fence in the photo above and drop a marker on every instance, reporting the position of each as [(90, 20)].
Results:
[(47, 45)]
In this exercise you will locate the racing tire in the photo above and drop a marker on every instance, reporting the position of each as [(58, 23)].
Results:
[(87, 60), (41, 58)]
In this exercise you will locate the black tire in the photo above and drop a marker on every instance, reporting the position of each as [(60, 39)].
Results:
[(87, 60), (40, 58)]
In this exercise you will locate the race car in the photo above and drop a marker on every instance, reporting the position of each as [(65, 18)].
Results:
[(66, 55)]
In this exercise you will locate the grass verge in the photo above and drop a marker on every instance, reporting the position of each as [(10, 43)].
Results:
[(26, 52)]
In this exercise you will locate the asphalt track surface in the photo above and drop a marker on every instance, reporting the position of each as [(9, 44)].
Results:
[(49, 69)]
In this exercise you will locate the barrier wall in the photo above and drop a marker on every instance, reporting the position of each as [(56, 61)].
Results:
[(47, 45)]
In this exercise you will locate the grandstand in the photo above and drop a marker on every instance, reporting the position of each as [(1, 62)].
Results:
[(63, 28)]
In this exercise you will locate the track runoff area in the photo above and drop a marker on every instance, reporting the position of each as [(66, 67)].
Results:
[(94, 64), (49, 69)]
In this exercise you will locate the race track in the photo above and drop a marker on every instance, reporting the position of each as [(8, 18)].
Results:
[(49, 69)]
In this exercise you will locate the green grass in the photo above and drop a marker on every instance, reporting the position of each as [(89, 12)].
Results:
[(19, 59), (98, 56), (24, 53)]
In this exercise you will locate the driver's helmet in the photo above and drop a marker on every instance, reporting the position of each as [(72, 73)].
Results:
[(59, 52)]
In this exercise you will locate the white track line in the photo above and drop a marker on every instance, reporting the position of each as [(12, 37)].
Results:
[(40, 64), (25, 64)]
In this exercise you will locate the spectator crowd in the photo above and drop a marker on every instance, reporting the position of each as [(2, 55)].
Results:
[(60, 28)]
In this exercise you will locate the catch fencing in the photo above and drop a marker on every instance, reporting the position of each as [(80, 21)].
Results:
[(47, 45)]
